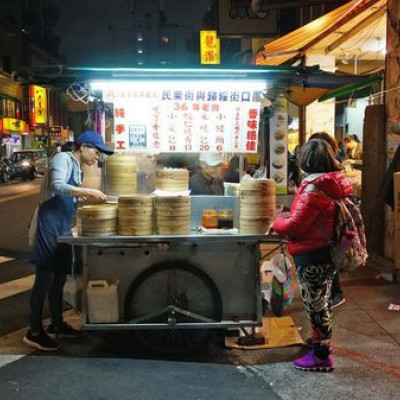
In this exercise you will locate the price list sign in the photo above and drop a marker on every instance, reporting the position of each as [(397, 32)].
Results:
[(176, 120)]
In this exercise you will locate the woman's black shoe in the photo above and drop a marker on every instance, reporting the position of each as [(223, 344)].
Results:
[(41, 341), (63, 331)]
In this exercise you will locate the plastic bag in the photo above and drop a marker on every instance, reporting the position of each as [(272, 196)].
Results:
[(261, 173), (282, 286)]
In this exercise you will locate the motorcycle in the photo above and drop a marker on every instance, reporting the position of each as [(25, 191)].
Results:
[(4, 170)]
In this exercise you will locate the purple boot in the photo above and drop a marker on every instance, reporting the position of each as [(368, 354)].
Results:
[(309, 362)]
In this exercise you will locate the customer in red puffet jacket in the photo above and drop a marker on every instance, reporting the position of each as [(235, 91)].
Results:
[(314, 207)]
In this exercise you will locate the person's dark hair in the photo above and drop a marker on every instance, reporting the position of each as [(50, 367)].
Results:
[(356, 138), (327, 138), (317, 157), (68, 146), (234, 162)]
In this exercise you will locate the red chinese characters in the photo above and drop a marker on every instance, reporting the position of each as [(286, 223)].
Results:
[(252, 129)]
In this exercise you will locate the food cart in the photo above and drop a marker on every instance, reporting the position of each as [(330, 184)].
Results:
[(180, 283)]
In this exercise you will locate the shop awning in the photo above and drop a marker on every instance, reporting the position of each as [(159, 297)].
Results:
[(351, 88), (279, 75), (356, 30)]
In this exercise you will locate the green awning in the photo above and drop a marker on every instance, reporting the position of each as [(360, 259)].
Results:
[(351, 88)]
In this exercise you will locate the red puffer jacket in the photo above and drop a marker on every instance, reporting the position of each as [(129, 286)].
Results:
[(309, 205)]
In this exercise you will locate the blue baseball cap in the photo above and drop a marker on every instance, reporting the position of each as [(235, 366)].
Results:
[(95, 139)]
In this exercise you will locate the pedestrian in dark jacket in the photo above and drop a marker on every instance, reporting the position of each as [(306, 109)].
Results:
[(312, 208)]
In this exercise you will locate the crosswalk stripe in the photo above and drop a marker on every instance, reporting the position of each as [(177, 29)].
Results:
[(17, 286), (12, 348), (4, 259), (17, 196)]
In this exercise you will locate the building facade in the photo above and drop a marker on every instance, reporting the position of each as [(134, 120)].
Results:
[(26, 41)]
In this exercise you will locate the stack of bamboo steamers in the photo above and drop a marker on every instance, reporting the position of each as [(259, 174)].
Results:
[(121, 175), (172, 212), (135, 215), (257, 205), (97, 220), (138, 215)]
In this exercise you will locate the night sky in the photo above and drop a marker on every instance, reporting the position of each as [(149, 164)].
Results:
[(94, 32)]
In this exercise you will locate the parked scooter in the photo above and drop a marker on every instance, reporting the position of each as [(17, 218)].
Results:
[(4, 170)]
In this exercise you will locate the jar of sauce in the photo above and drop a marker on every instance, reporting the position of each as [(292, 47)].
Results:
[(209, 219), (225, 219)]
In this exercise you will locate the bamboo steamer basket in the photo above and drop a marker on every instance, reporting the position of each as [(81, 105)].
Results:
[(121, 175), (173, 212), (135, 201), (135, 215), (173, 200), (97, 220), (257, 212), (173, 215), (171, 179), (258, 184), (128, 213), (257, 205), (136, 227), (255, 225)]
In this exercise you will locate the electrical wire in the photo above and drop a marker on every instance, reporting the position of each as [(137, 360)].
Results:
[(370, 95)]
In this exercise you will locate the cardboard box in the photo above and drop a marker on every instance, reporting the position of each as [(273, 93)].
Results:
[(396, 180)]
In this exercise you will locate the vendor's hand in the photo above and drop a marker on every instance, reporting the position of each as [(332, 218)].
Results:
[(94, 194)]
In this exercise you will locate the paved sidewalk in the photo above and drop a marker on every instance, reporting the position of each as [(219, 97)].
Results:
[(366, 347)]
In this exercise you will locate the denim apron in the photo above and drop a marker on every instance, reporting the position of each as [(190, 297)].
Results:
[(55, 219)]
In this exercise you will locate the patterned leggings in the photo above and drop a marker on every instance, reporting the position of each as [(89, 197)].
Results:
[(316, 283)]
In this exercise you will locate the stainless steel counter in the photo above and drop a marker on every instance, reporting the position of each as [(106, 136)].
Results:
[(193, 237)]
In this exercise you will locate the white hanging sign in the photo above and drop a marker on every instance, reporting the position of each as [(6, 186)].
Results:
[(187, 120)]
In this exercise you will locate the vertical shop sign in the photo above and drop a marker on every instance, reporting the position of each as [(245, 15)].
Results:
[(279, 145), (209, 47), (38, 100)]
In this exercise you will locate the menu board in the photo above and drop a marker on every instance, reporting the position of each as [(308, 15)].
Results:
[(175, 120), (279, 145)]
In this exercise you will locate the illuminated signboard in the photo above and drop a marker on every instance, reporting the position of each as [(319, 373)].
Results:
[(38, 98), (209, 47), (14, 125), (188, 117)]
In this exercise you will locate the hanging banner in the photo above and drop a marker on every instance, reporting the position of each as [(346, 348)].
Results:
[(185, 121), (279, 145), (209, 48), (38, 100)]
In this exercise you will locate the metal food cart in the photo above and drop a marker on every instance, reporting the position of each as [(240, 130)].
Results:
[(184, 283), (173, 283)]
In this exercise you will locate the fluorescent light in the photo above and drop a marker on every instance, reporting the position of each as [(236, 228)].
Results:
[(145, 84)]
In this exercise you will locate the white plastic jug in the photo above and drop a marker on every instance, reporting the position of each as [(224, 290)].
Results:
[(102, 301)]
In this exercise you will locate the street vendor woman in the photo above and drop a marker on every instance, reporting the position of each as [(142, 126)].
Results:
[(56, 214), (208, 179)]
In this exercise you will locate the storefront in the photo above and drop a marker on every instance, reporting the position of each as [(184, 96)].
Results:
[(350, 40), (14, 135)]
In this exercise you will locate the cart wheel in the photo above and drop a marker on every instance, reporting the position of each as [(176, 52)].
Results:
[(176, 284)]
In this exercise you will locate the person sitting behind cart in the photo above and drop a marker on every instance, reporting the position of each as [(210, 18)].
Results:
[(231, 174), (208, 179), (354, 152)]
